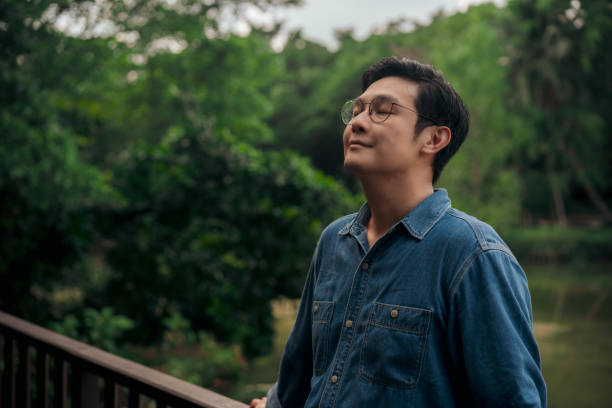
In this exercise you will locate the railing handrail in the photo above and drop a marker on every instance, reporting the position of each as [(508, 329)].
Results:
[(99, 361)]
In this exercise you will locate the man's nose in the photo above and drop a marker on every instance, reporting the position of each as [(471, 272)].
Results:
[(360, 122)]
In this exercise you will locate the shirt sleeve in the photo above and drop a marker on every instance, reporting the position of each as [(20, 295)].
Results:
[(491, 334), (293, 385)]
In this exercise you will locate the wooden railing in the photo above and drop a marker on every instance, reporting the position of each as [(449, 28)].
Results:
[(41, 368)]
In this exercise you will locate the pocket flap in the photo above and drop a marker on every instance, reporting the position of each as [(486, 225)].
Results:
[(409, 319), (322, 311)]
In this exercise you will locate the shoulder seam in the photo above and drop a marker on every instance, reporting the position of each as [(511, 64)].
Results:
[(339, 224), (481, 241), (467, 264)]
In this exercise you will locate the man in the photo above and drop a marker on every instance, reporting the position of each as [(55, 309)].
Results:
[(409, 302)]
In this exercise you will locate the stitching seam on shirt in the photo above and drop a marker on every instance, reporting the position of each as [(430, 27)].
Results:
[(475, 229), (345, 229), (470, 261), (377, 324), (323, 356), (387, 305), (329, 313), (482, 242), (462, 271)]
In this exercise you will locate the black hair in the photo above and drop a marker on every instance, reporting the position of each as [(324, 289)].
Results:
[(437, 103)]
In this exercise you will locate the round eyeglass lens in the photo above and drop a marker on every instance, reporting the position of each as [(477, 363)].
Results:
[(347, 111), (380, 109)]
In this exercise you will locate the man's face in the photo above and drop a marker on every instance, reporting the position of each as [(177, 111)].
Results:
[(387, 147)]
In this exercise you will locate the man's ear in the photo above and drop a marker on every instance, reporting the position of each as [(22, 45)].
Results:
[(438, 137)]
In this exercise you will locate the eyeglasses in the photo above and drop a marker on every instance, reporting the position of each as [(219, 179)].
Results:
[(379, 110)]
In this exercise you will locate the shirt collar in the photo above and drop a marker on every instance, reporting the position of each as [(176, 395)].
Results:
[(417, 222)]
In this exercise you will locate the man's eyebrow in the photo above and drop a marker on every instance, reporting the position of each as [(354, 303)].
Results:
[(386, 96)]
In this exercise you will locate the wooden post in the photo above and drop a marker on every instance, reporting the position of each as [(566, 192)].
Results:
[(134, 398), (59, 382), (8, 380), (110, 394), (42, 379), (23, 376), (90, 391)]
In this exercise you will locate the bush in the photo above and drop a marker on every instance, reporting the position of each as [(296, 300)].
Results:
[(194, 357), (214, 230), (560, 244), (100, 328)]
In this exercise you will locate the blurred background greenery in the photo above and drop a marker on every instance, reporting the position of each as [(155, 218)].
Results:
[(163, 182)]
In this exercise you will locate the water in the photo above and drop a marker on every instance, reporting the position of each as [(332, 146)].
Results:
[(572, 308)]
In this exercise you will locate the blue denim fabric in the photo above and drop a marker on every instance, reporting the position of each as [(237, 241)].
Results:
[(436, 314)]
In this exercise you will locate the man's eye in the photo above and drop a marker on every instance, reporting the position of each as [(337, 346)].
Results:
[(382, 107)]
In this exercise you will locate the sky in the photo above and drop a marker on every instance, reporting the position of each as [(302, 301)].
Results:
[(319, 18)]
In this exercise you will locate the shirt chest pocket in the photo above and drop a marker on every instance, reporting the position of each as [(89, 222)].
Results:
[(322, 313), (394, 345)]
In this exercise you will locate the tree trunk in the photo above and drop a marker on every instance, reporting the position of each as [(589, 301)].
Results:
[(556, 195), (592, 193)]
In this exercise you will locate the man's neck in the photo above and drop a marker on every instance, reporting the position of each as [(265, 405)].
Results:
[(390, 199)]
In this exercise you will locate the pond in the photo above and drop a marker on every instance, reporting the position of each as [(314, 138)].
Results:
[(572, 307)]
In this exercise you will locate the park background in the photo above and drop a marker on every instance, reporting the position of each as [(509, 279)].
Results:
[(164, 177)]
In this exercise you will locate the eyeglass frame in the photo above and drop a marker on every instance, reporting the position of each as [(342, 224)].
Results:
[(370, 109)]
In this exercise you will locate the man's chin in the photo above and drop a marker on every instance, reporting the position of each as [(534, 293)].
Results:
[(354, 167)]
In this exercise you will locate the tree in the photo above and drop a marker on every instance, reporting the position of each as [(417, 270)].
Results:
[(45, 185), (214, 230), (130, 178), (561, 71)]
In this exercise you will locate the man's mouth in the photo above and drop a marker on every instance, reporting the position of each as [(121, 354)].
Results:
[(359, 143)]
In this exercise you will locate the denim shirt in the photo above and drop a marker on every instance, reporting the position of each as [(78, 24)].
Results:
[(436, 314)]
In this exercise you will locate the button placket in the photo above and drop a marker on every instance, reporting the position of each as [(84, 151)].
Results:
[(353, 306)]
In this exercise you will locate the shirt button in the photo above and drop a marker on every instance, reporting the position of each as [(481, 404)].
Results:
[(365, 266), (334, 379), (315, 309), (394, 313), (349, 323)]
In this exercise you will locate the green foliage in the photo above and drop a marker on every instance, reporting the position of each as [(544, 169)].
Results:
[(129, 177), (192, 356), (207, 231), (100, 328), (559, 244), (560, 70), (193, 87), (209, 364), (47, 188)]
